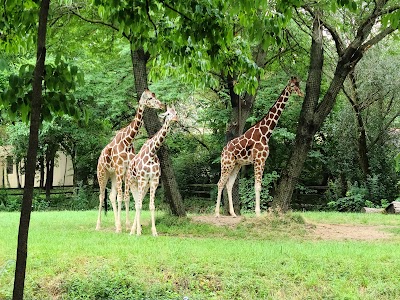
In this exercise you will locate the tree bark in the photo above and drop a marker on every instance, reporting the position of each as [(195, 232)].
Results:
[(22, 249), (49, 173), (41, 170), (152, 124), (361, 133), (306, 128)]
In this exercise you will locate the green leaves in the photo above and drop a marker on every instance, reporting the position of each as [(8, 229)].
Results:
[(60, 80), (18, 20)]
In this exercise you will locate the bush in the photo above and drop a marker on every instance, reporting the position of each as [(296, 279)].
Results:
[(9, 202), (247, 192)]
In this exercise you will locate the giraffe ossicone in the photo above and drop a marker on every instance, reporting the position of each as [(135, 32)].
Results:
[(114, 161), (144, 172), (252, 148)]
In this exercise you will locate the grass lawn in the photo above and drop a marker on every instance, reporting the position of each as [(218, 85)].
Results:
[(273, 257)]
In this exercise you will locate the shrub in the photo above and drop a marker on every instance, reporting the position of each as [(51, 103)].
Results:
[(247, 192), (355, 200)]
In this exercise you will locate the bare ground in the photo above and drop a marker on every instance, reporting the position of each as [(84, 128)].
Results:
[(318, 231)]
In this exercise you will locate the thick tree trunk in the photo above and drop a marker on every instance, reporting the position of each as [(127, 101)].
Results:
[(22, 249), (152, 124), (313, 114), (306, 128)]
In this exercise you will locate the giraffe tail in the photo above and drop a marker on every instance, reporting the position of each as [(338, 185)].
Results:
[(105, 202)]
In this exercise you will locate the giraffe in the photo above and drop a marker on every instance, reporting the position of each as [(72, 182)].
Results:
[(252, 148), (114, 160), (144, 172)]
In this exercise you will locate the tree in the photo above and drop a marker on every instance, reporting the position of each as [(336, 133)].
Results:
[(369, 31), (371, 84), (233, 66), (22, 250)]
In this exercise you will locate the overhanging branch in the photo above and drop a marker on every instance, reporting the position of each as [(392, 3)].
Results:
[(98, 22)]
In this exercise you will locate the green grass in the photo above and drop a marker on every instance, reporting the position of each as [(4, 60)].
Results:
[(268, 258)]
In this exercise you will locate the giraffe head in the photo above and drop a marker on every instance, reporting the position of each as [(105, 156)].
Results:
[(149, 99), (170, 115), (294, 86)]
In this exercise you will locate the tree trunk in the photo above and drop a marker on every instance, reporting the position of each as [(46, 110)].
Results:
[(49, 174), (22, 249), (41, 170), (313, 114), (306, 128), (361, 133), (17, 165), (152, 124)]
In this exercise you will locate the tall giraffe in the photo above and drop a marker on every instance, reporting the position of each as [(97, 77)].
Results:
[(114, 160), (144, 172), (252, 148)]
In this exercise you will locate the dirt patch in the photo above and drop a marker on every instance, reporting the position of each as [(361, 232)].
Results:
[(348, 232), (317, 231)]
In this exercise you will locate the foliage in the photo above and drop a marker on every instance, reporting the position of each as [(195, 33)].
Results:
[(355, 200), (368, 194), (247, 193), (59, 81), (18, 22)]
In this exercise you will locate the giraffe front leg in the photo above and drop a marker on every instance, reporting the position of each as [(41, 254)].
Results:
[(127, 200), (113, 196), (152, 207), (119, 201), (258, 174), (135, 194), (138, 207)]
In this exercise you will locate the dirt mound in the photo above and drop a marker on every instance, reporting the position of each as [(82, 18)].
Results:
[(317, 231)]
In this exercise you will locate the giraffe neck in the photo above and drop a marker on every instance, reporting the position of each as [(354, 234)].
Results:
[(134, 126), (268, 123), (158, 139)]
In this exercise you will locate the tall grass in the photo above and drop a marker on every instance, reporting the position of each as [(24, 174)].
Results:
[(267, 258)]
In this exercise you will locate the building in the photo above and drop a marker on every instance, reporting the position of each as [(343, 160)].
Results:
[(63, 170)]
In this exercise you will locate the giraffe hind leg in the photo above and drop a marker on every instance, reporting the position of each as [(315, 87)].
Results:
[(229, 186), (225, 173)]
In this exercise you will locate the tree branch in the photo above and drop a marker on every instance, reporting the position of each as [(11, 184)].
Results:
[(336, 38), (188, 131), (98, 22), (178, 12), (377, 38), (386, 127), (149, 17)]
